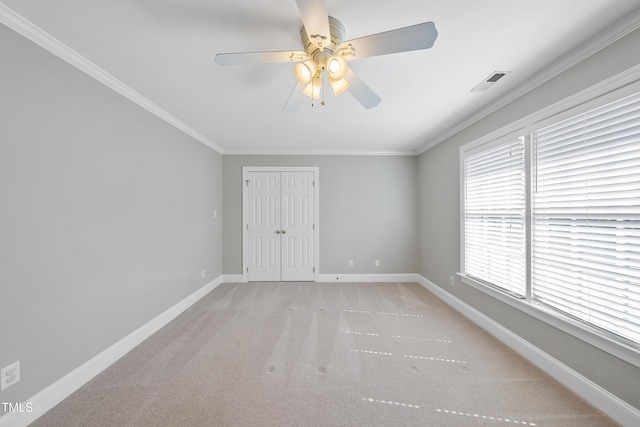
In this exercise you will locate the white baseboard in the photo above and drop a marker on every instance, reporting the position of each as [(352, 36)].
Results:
[(46, 399), (233, 278), (337, 277), (608, 403)]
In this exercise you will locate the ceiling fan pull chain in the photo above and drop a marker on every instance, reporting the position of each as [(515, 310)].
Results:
[(312, 98), (321, 81)]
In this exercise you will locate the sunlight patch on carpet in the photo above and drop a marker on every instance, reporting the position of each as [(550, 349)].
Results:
[(486, 417), (422, 339), (371, 352), (390, 402), (369, 334), (383, 313), (436, 359)]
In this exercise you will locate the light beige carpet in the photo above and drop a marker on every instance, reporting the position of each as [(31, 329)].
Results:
[(322, 354)]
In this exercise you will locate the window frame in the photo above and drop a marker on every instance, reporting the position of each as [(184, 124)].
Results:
[(615, 88)]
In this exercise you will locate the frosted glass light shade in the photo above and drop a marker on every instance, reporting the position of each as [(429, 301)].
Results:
[(312, 90), (337, 67), (339, 86), (304, 72)]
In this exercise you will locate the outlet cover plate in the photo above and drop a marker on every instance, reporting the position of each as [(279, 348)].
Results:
[(9, 375)]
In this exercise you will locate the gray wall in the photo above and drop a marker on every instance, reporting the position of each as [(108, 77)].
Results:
[(368, 211), (439, 207), (106, 216)]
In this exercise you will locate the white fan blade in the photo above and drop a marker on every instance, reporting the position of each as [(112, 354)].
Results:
[(361, 92), (296, 99), (415, 37), (315, 18), (249, 58)]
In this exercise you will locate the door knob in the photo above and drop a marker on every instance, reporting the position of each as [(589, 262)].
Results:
[(278, 232), (284, 231)]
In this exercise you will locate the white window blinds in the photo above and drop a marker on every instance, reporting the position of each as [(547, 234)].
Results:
[(586, 217), (494, 208)]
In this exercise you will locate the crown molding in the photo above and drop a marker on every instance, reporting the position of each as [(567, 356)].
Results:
[(611, 35), (317, 153), (32, 32)]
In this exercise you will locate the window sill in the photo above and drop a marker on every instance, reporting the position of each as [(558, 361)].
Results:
[(581, 331)]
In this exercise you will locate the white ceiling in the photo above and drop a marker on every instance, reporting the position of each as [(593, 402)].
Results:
[(164, 50)]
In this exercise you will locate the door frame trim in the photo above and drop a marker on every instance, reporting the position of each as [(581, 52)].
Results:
[(245, 214)]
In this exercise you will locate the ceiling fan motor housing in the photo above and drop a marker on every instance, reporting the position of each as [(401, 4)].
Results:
[(319, 49)]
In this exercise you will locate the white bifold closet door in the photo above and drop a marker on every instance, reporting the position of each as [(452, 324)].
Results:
[(281, 226)]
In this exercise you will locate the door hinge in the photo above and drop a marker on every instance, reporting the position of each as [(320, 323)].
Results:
[(313, 227), (247, 181), (247, 269), (247, 226), (314, 269), (313, 183)]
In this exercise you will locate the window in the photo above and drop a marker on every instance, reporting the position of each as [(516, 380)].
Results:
[(494, 196), (552, 216), (586, 217)]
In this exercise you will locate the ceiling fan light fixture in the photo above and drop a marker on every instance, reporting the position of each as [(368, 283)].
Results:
[(324, 50), (334, 65), (312, 90), (337, 67), (339, 86), (304, 72)]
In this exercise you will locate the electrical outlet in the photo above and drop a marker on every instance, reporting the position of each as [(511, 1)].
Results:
[(377, 263), (452, 281), (9, 375), (350, 263)]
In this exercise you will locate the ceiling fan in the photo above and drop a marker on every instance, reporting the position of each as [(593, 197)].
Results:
[(326, 52)]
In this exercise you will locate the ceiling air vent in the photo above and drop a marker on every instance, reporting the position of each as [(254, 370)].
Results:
[(490, 81)]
